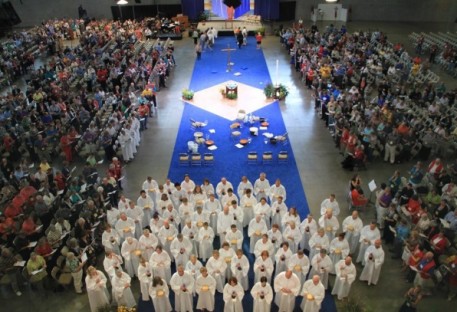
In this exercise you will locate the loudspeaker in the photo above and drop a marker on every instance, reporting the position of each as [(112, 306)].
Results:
[(232, 3)]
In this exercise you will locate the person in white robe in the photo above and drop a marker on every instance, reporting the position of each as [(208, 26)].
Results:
[(275, 236), (257, 228), (292, 235), (228, 198), (216, 267), (329, 223), (264, 244), (224, 221), (131, 252), (156, 224), (148, 243), (172, 216), (208, 188), (234, 237), (181, 249), (299, 264), (124, 139), (198, 197), (227, 253), (263, 267), (374, 259), (277, 190), (166, 235), (213, 207), (163, 203), (317, 242), (133, 142), (125, 226), (160, 261), (199, 217), (287, 286), (193, 266), (168, 187), (330, 203), (264, 210), (313, 293), (247, 203), (368, 235), (96, 289), (136, 214), (238, 214), (145, 277), (308, 227), (339, 249), (111, 263), (178, 195), (345, 276), (111, 239), (261, 187), (205, 287), (122, 291), (186, 209), (278, 210), (321, 265), (262, 293), (282, 257), (112, 215), (159, 293), (233, 295), (136, 128), (182, 284), (190, 231), (244, 185), (188, 185), (205, 241), (123, 203), (222, 187), (151, 187), (352, 225), (240, 268), (291, 216), (147, 206)]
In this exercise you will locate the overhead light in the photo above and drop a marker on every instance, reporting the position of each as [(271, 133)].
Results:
[(331, 0), (122, 2)]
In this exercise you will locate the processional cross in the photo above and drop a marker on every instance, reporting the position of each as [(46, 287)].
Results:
[(229, 63)]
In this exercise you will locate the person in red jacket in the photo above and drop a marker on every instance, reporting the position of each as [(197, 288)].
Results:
[(439, 243), (102, 76), (425, 270)]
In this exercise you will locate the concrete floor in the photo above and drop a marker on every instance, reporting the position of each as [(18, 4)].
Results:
[(317, 159)]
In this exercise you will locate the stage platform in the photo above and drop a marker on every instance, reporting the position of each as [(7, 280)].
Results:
[(225, 26)]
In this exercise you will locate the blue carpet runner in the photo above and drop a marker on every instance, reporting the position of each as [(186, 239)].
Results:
[(231, 162)]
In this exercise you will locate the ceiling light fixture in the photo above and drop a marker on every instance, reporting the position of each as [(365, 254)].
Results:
[(331, 1), (122, 2)]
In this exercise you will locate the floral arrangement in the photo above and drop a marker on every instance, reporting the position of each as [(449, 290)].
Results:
[(279, 92), (187, 94), (125, 309)]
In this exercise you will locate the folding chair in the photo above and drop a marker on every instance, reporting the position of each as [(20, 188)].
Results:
[(208, 159), (253, 158), (267, 158), (183, 159)]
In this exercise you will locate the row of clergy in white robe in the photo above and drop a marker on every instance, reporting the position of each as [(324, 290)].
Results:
[(194, 193)]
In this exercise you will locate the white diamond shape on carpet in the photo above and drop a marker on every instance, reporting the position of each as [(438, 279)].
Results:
[(249, 98)]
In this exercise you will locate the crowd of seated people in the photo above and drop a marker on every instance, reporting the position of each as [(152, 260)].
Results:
[(418, 216), (366, 91), (86, 105)]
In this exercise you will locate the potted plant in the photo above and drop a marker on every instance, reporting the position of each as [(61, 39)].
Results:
[(222, 91), (279, 92), (231, 96), (187, 94), (269, 90)]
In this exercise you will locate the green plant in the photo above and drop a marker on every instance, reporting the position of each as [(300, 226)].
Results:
[(231, 96), (276, 91), (269, 90), (203, 16), (188, 94)]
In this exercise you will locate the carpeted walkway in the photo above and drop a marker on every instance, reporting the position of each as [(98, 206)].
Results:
[(230, 161)]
